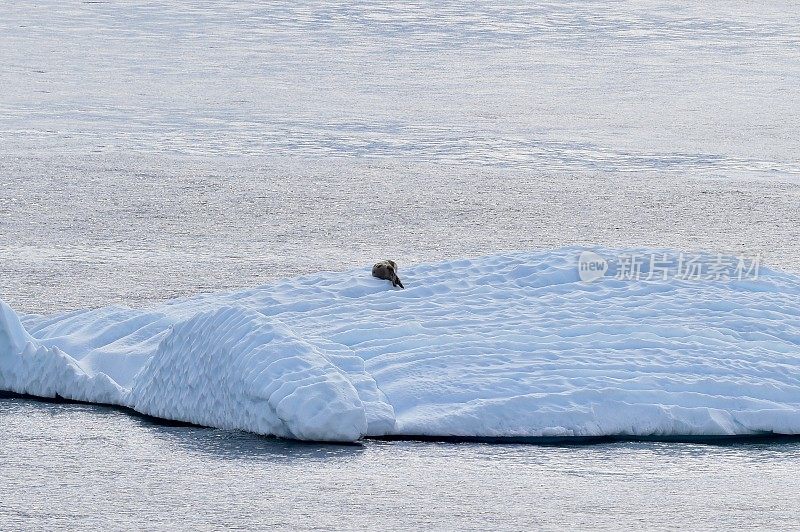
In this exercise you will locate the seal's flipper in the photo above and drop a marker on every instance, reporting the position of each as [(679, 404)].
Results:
[(399, 283)]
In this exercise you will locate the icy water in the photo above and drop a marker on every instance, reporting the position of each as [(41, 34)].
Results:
[(152, 150), (87, 467)]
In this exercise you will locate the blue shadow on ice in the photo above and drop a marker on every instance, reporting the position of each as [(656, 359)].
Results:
[(238, 444)]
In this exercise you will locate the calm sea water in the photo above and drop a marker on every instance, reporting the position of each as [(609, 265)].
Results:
[(151, 150), (68, 466)]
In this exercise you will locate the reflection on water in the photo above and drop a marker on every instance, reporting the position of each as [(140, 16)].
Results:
[(68, 465), (232, 445)]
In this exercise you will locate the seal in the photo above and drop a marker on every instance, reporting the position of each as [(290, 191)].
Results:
[(387, 269)]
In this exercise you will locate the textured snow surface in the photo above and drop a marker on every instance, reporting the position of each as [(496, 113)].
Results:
[(507, 345)]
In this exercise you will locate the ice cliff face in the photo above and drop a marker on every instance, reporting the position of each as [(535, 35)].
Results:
[(508, 345), (235, 369), (28, 367)]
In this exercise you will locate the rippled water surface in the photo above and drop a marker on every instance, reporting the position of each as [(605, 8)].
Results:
[(149, 150), (156, 149), (83, 467)]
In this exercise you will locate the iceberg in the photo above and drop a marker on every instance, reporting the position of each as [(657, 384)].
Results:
[(511, 345)]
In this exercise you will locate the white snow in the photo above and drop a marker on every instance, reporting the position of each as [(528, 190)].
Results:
[(507, 345)]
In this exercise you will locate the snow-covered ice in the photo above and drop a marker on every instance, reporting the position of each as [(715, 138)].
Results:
[(499, 346)]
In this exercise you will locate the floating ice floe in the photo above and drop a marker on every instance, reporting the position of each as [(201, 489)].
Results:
[(513, 345)]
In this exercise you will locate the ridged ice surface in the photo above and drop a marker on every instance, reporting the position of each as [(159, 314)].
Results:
[(508, 345)]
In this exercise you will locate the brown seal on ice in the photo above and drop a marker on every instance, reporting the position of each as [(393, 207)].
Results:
[(387, 269)]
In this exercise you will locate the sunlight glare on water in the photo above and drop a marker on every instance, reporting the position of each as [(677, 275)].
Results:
[(85, 467)]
